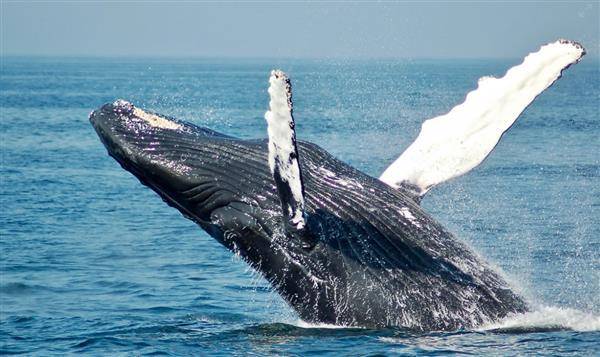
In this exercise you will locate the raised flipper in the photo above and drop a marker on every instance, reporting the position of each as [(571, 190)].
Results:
[(453, 144), (283, 154)]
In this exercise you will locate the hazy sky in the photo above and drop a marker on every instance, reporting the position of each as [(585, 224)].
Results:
[(269, 29)]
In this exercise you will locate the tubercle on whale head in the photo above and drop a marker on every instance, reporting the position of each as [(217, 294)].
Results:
[(125, 108)]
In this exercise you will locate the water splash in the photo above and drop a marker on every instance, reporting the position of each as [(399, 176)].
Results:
[(308, 325), (545, 318)]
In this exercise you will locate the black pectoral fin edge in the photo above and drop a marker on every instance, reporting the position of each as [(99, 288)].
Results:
[(285, 197), (303, 236)]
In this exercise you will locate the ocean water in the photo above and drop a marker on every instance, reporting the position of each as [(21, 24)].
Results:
[(93, 262)]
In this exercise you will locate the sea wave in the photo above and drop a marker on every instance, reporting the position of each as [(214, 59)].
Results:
[(542, 318), (545, 318), (304, 324)]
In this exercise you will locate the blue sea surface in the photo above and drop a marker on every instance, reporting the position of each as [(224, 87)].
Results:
[(93, 262)]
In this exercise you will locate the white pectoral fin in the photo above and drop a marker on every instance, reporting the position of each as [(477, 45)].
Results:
[(283, 154), (452, 144)]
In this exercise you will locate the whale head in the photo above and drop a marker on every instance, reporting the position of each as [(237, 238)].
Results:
[(202, 173)]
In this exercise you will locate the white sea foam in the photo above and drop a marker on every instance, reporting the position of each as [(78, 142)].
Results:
[(543, 317), (549, 317), (304, 324)]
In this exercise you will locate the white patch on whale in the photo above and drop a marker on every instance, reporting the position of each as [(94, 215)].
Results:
[(155, 120), (350, 183), (405, 212), (121, 105), (281, 141)]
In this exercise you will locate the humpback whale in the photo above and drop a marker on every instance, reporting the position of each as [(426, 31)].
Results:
[(340, 246)]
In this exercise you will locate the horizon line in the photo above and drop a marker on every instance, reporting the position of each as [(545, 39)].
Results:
[(229, 57)]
